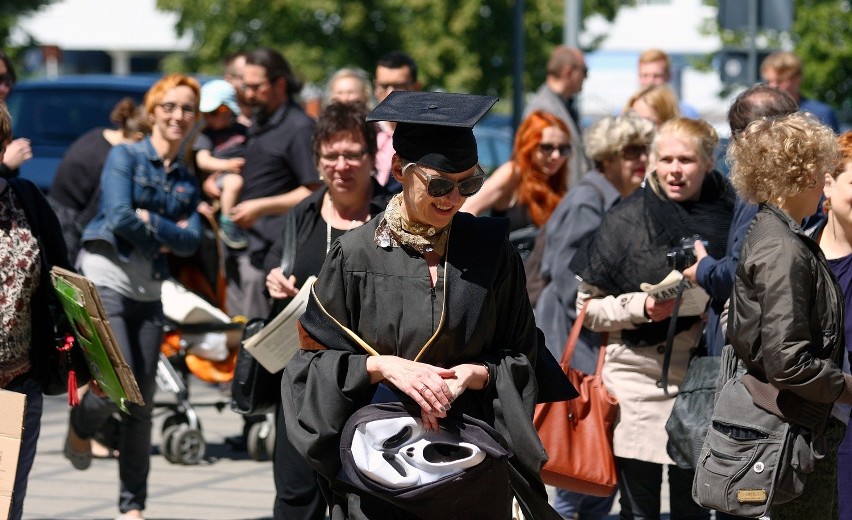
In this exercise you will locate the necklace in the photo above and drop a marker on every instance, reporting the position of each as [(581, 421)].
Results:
[(352, 223)]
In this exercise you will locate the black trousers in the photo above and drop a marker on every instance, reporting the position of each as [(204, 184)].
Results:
[(138, 329), (297, 491), (640, 483)]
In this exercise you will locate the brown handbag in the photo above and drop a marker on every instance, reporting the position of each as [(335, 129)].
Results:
[(577, 434)]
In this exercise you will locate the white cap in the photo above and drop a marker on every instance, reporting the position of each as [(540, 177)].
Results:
[(218, 92)]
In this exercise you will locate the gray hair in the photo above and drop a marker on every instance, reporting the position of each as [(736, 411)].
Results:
[(351, 72), (610, 134)]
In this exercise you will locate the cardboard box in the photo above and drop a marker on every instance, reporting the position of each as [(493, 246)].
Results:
[(11, 429)]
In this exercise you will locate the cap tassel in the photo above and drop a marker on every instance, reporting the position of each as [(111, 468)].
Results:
[(73, 394)]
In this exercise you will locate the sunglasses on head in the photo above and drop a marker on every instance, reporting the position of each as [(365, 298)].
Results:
[(437, 186), (547, 149)]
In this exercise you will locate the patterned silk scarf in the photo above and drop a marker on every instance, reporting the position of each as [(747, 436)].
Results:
[(395, 229)]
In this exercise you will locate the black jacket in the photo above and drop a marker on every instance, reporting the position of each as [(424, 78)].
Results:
[(786, 319), (45, 227)]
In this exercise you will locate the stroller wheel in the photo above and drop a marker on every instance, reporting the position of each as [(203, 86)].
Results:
[(166, 443), (261, 440), (187, 445), (174, 420)]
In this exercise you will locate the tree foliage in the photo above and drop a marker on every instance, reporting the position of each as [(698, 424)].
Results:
[(822, 33), (459, 45), (821, 36), (10, 10)]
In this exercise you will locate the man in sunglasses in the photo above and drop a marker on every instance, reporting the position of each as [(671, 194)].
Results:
[(566, 72), (18, 151)]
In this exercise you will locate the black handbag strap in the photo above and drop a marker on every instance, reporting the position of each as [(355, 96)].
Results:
[(288, 248), (667, 357)]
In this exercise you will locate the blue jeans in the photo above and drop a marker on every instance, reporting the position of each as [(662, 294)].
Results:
[(138, 328), (584, 507), (32, 426)]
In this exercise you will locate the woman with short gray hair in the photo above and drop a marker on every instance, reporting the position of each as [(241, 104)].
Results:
[(619, 148)]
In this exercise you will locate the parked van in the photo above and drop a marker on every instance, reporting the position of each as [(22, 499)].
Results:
[(52, 113)]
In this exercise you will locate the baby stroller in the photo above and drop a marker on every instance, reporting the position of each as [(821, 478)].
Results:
[(201, 340)]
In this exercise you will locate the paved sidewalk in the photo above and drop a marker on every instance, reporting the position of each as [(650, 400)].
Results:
[(225, 486)]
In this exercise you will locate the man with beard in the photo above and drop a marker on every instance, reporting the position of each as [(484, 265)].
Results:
[(278, 173)]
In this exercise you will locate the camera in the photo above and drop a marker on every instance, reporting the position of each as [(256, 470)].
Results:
[(682, 256)]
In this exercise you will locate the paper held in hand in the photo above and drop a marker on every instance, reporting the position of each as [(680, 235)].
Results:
[(82, 305), (276, 342), (694, 300)]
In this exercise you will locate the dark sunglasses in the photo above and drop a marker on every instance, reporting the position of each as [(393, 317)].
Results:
[(547, 149), (632, 152), (437, 186)]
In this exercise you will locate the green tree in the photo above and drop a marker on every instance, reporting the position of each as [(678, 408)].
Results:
[(10, 10), (821, 36), (459, 45), (822, 32)]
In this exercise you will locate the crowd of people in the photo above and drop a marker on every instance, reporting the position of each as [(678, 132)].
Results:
[(419, 300)]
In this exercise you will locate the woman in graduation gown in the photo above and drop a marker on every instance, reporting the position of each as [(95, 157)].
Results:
[(438, 299)]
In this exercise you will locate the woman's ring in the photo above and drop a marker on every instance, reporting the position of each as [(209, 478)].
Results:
[(423, 388)]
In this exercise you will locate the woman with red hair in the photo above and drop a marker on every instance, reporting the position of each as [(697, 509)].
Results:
[(527, 189)]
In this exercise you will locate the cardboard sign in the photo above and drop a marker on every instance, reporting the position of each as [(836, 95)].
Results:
[(11, 431), (82, 305)]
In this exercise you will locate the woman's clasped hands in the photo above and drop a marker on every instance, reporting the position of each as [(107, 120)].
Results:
[(433, 388)]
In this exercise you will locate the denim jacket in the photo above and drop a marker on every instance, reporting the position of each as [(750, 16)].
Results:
[(134, 177)]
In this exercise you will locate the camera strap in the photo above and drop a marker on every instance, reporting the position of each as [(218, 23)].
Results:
[(667, 356)]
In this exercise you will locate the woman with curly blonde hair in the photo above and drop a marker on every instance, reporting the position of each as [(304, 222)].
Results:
[(528, 188), (786, 319)]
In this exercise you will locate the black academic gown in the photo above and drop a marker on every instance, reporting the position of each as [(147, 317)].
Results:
[(385, 296)]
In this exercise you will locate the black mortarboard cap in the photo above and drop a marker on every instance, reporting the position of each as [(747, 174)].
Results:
[(434, 129)]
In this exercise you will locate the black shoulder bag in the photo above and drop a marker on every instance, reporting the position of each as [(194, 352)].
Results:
[(690, 418), (254, 390)]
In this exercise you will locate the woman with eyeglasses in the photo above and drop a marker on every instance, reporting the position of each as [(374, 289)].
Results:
[(683, 196), (147, 208), (437, 303), (527, 189), (344, 147), (618, 146)]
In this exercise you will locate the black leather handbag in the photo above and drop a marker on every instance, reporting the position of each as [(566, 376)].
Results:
[(254, 390)]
